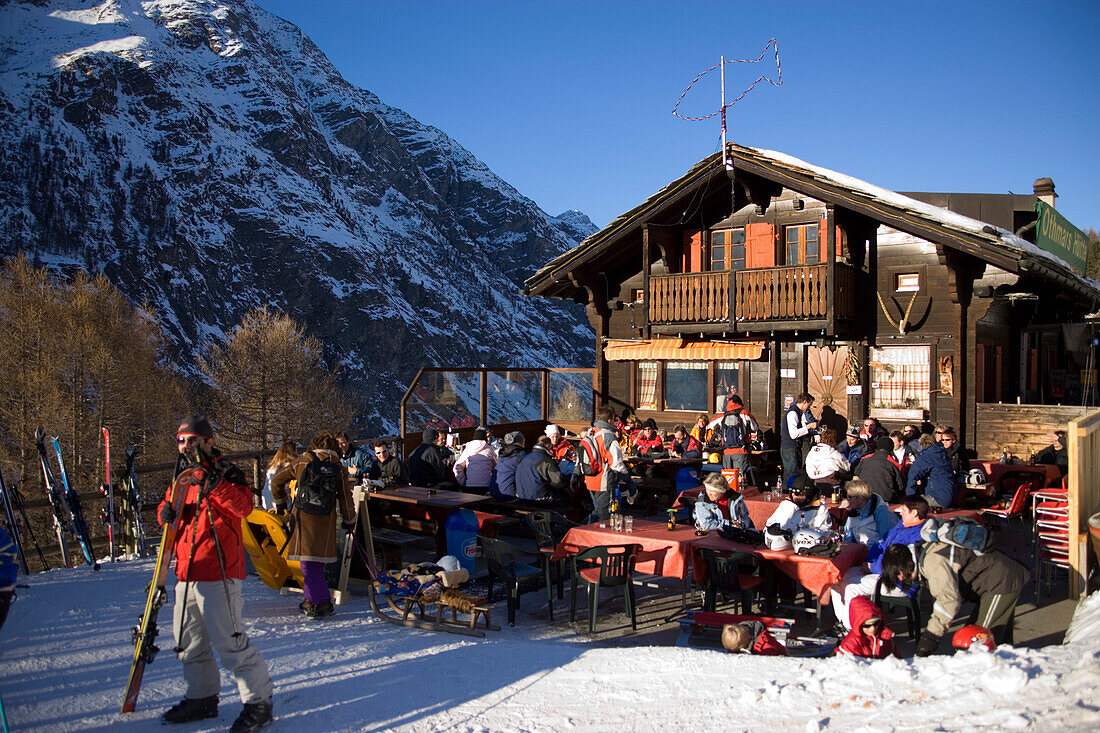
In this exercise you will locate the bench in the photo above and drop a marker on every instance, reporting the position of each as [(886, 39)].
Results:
[(392, 541)]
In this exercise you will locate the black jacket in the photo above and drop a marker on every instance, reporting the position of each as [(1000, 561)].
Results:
[(428, 465), (391, 472), (884, 478)]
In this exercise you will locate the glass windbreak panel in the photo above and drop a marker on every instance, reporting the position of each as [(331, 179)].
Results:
[(727, 378), (647, 385), (444, 400), (810, 235), (571, 398), (515, 396), (718, 250), (900, 377), (686, 385)]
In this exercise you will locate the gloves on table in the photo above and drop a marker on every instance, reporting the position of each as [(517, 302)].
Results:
[(928, 645)]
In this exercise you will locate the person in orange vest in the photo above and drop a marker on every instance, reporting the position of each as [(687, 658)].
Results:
[(734, 429)]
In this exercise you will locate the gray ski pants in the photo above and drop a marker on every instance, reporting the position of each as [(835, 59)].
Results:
[(208, 623)]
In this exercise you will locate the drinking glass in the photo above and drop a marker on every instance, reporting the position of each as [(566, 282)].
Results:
[(628, 523)]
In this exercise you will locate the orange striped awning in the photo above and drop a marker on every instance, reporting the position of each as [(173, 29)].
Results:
[(678, 350)]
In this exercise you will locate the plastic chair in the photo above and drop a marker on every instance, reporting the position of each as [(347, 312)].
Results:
[(604, 565), (910, 605), (549, 528), (507, 561), (724, 575), (1015, 509)]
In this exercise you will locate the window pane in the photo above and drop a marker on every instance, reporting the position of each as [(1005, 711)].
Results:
[(727, 379), (792, 235), (737, 257), (718, 250), (900, 377), (571, 396), (514, 396), (737, 236), (445, 399), (811, 244), (686, 385), (647, 385)]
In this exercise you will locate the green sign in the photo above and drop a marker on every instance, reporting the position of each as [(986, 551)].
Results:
[(1056, 235)]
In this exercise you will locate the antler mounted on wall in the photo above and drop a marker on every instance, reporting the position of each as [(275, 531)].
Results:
[(904, 319)]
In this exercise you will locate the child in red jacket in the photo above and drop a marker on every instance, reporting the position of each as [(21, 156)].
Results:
[(751, 636), (869, 636)]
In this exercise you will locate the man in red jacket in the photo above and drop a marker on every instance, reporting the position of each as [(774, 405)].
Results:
[(210, 568)]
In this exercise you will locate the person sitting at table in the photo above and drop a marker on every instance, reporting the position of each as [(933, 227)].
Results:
[(824, 463), (1055, 454), (388, 468), (912, 438), (914, 515), (852, 447), (801, 508), (685, 445), (357, 460), (882, 473), (902, 451), (699, 430), (629, 429), (502, 485), (956, 456), (752, 637), (475, 464), (869, 636), (869, 517), (871, 432), (646, 441), (734, 430), (720, 506), (538, 478), (560, 448), (931, 475), (430, 462)]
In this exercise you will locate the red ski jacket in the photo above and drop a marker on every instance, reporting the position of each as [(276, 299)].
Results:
[(860, 644), (224, 506)]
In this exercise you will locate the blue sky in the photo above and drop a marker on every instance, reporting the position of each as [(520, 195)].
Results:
[(571, 102)]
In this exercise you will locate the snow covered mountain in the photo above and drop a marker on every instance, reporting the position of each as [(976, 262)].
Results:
[(208, 158)]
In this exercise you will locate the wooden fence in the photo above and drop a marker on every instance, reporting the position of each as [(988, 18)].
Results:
[(701, 297), (1019, 429), (1083, 440)]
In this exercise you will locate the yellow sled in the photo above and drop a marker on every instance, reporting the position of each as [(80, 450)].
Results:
[(265, 539)]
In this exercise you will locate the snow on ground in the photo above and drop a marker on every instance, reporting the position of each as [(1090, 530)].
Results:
[(66, 656)]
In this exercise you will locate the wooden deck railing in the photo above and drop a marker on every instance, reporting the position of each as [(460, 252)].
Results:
[(774, 293), (697, 297)]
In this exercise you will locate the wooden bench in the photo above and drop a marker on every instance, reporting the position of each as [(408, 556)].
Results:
[(392, 541)]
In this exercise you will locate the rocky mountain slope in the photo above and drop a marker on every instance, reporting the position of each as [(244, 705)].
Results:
[(208, 158)]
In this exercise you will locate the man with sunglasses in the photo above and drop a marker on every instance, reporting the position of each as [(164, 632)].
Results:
[(388, 468), (207, 613)]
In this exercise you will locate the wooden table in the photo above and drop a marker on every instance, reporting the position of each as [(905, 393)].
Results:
[(994, 470), (439, 504)]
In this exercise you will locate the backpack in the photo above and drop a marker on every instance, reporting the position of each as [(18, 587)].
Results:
[(965, 533), (589, 457), (733, 431), (318, 485)]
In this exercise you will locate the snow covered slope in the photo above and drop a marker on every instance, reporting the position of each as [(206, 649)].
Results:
[(65, 654), (208, 158)]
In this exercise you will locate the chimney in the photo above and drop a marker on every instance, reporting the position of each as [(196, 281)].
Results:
[(1044, 191)]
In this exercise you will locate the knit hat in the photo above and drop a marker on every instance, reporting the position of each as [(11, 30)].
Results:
[(429, 435), (514, 438), (884, 444), (552, 430), (650, 423), (853, 430), (196, 425), (480, 433)]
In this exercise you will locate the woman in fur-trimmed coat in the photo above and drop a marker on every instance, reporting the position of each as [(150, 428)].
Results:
[(313, 537)]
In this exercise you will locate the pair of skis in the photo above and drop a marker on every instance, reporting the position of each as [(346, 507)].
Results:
[(67, 513), (127, 507)]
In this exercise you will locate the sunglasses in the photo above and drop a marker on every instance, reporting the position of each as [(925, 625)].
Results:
[(872, 625), (190, 440)]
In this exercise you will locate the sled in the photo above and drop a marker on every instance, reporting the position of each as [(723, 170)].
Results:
[(265, 539), (704, 629)]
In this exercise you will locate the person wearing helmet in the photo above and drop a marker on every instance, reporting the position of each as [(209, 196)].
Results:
[(800, 510), (869, 636), (953, 575), (720, 506)]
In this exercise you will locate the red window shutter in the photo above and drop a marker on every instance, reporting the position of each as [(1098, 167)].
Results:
[(693, 251), (759, 245), (822, 229)]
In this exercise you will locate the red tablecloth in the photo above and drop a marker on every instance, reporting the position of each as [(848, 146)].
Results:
[(815, 574), (663, 553), (994, 469)]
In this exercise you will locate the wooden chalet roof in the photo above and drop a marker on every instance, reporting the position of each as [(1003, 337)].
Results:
[(932, 223)]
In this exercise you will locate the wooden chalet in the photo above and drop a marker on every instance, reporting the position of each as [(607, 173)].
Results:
[(770, 276)]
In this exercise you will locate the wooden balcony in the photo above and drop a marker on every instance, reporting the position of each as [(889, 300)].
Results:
[(773, 298)]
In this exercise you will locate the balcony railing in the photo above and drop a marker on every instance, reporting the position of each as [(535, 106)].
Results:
[(793, 293)]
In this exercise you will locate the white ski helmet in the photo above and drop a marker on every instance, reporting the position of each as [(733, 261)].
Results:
[(976, 477), (812, 541), (777, 538)]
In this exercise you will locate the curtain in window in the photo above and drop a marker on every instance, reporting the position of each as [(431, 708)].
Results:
[(647, 385), (901, 375)]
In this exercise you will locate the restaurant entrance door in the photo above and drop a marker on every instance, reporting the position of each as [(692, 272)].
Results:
[(826, 381)]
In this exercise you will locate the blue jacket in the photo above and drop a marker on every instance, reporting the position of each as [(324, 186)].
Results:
[(871, 523), (503, 484), (9, 562), (362, 459), (933, 466), (708, 515), (852, 453), (899, 535)]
